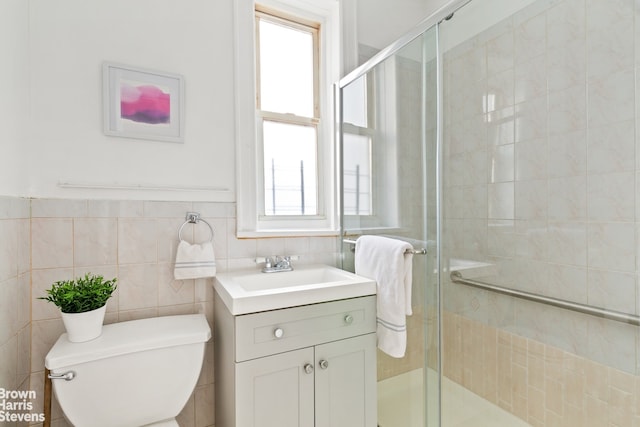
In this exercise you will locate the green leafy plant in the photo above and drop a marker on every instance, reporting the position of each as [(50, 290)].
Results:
[(82, 294)]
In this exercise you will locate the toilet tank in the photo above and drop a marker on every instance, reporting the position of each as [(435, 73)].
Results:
[(137, 372)]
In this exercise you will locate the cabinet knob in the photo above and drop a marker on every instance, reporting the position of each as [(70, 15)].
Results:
[(278, 333), (324, 364), (348, 319), (308, 368)]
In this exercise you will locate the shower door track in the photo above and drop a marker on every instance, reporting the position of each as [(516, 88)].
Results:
[(456, 277)]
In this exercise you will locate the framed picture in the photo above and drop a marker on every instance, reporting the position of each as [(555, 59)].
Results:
[(142, 103)]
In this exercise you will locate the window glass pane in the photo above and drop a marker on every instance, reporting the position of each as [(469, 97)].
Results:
[(289, 169), (286, 69), (357, 174)]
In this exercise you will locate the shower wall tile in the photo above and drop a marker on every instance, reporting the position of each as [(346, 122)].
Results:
[(500, 52), (563, 166), (611, 197), (567, 199), (500, 90), (501, 201), (531, 240), (530, 79), (531, 160), (567, 110), (530, 119), (566, 64), (530, 38), (501, 163), (543, 384), (567, 154), (612, 246), (610, 98), (610, 36), (531, 199), (613, 290), (609, 146), (500, 127)]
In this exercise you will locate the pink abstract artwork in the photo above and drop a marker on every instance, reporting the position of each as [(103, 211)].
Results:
[(144, 104)]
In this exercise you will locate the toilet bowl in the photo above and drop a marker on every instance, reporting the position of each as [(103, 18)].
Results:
[(136, 373)]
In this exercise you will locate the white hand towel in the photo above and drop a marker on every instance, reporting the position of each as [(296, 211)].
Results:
[(388, 262), (194, 261)]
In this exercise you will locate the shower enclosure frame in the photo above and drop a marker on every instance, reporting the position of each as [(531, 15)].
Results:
[(427, 24)]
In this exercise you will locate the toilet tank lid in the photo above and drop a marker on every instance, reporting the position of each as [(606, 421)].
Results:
[(130, 337)]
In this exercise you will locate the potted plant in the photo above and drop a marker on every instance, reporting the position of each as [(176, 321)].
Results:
[(82, 303)]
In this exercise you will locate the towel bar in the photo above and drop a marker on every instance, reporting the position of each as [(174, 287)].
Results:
[(421, 251), (632, 319)]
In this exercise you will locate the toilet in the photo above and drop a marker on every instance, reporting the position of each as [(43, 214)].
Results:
[(137, 373)]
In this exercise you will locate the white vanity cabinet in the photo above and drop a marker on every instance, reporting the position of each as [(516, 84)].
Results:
[(306, 366)]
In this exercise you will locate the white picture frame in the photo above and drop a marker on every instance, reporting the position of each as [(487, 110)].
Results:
[(143, 104)]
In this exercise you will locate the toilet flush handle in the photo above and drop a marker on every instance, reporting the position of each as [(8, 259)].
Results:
[(67, 376)]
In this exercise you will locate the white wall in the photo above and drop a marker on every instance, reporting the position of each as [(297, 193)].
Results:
[(70, 39), (59, 48), (14, 90), (381, 22)]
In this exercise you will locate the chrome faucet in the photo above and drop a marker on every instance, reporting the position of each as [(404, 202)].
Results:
[(277, 264)]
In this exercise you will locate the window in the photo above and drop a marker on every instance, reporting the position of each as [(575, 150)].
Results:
[(286, 63), (357, 138), (288, 112)]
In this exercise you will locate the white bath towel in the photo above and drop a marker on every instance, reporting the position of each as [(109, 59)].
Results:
[(194, 261), (388, 262)]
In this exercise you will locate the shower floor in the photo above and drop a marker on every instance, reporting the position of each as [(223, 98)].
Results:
[(400, 404)]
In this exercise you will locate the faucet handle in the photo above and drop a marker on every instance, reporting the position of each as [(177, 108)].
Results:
[(267, 261)]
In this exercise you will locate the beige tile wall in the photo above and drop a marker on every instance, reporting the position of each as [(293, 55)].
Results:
[(15, 294), (541, 384), (48, 240)]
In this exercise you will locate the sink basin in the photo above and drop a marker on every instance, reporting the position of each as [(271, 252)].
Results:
[(250, 291)]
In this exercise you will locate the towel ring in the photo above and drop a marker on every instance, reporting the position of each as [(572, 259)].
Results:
[(194, 218)]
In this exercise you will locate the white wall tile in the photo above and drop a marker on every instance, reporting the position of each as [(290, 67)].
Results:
[(501, 163), (611, 197), (52, 242), (115, 208), (95, 241), (612, 246), (568, 199), (138, 286), (137, 241), (612, 290), (609, 147), (611, 97)]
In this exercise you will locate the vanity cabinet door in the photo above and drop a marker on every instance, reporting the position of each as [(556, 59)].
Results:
[(346, 389), (276, 390)]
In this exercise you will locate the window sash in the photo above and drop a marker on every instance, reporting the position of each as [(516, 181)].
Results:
[(288, 21), (294, 23)]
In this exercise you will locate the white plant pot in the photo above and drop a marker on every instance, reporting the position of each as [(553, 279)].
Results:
[(85, 326)]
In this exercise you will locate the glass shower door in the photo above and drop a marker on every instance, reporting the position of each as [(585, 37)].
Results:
[(388, 151)]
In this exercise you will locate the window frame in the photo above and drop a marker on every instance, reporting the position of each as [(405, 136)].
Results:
[(249, 163), (313, 28)]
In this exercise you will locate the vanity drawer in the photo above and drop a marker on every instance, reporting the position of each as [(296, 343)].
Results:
[(277, 331)]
